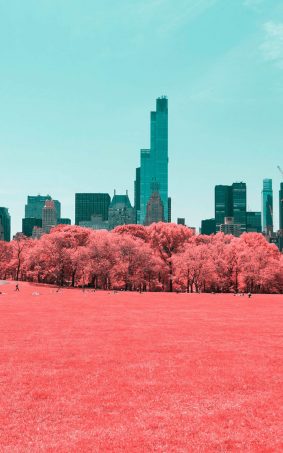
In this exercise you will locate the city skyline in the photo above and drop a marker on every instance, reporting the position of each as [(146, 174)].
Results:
[(76, 92), (151, 200)]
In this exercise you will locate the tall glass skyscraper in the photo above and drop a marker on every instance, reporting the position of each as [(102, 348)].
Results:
[(267, 206), (154, 161), (223, 204), (239, 196), (231, 201)]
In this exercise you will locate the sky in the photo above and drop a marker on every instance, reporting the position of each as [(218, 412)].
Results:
[(78, 79)]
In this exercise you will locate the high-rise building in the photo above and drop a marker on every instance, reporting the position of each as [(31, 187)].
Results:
[(181, 221), (138, 194), (267, 206), (91, 204), (208, 226), (35, 204), (154, 208), (28, 224), (49, 216), (239, 197), (223, 204), (169, 209), (231, 201), (254, 222), (120, 211), (154, 161), (5, 225)]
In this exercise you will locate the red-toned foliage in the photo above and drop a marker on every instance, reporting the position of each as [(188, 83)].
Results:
[(159, 257)]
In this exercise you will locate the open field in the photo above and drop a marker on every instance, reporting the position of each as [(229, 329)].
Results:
[(129, 372)]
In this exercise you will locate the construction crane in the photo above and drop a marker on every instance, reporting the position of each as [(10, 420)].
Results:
[(280, 169)]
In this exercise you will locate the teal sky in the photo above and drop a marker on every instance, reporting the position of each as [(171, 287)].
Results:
[(79, 77)]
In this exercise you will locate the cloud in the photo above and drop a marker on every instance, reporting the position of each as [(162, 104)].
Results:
[(272, 47)]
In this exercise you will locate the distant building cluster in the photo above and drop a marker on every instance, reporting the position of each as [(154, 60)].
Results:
[(151, 201), (232, 216)]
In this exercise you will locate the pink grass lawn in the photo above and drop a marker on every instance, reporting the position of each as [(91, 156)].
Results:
[(129, 372)]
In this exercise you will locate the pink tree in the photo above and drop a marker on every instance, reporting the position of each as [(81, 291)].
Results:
[(260, 267), (168, 239), (20, 249), (102, 253), (6, 253), (136, 266), (135, 231), (194, 267)]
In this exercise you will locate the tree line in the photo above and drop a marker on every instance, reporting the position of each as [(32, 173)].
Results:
[(160, 257)]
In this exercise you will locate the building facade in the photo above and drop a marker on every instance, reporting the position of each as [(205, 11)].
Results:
[(239, 197), (231, 201), (169, 209), (154, 161), (154, 209), (35, 205), (254, 222), (208, 227), (91, 204), (64, 221), (96, 223), (120, 211), (28, 224), (230, 227), (49, 216), (267, 206), (223, 204), (5, 225), (137, 194)]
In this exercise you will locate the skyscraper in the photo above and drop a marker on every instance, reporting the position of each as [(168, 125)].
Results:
[(91, 204), (154, 207), (5, 225), (231, 201), (154, 161), (35, 204), (267, 206), (49, 216), (223, 204), (239, 197)]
